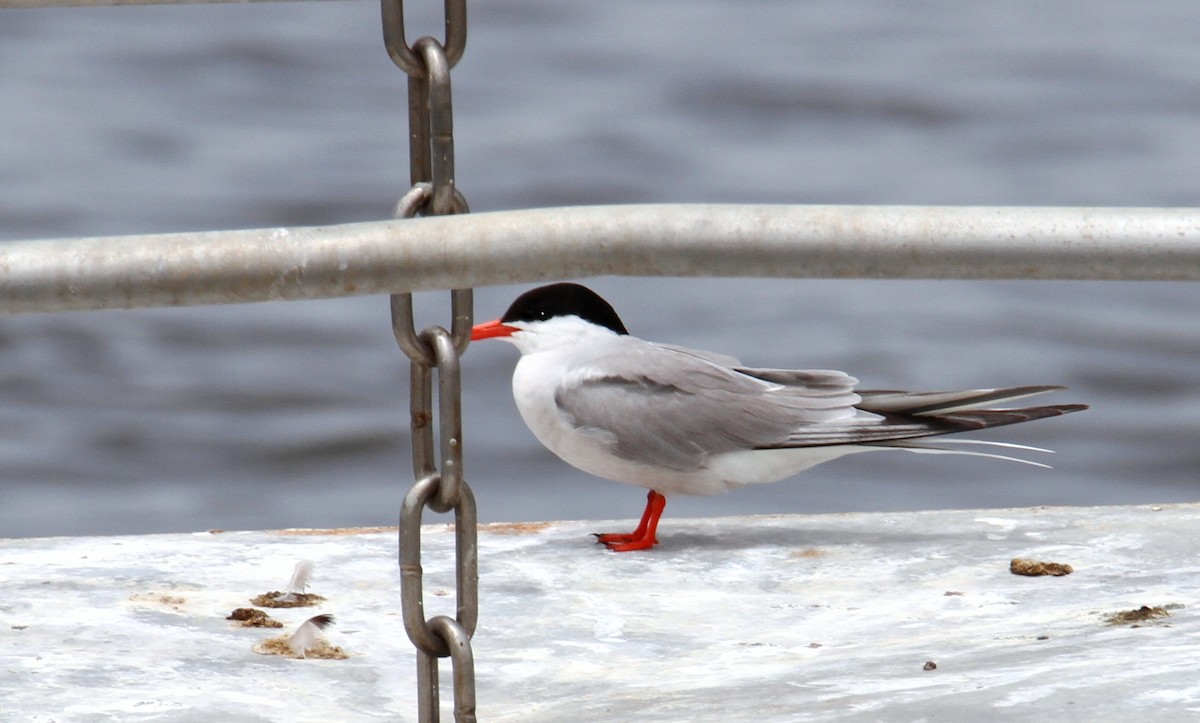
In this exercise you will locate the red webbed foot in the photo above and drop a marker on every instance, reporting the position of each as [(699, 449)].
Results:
[(643, 538)]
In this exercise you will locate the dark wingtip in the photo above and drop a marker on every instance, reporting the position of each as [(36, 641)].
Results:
[(986, 418), (322, 621)]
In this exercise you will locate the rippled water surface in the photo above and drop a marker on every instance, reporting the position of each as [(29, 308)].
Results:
[(142, 120)]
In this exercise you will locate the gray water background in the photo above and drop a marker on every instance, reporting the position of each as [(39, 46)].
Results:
[(143, 120)]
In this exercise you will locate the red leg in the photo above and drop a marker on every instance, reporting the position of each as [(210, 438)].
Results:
[(643, 538), (639, 533)]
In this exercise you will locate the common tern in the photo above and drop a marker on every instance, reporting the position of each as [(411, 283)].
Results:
[(682, 421)]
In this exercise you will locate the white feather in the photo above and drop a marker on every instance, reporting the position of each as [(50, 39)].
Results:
[(300, 576), (1009, 445), (308, 633), (969, 453), (299, 581)]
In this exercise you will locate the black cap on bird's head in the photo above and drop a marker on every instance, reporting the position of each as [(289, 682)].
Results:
[(547, 302), (564, 299)]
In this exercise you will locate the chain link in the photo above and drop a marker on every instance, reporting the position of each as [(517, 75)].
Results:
[(411, 572), (462, 660), (431, 130), (397, 44), (439, 477)]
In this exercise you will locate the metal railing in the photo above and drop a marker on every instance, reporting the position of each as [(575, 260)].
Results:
[(482, 249)]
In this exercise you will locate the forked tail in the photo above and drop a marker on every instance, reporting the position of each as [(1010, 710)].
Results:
[(916, 416)]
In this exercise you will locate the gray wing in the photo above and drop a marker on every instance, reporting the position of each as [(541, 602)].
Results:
[(675, 407)]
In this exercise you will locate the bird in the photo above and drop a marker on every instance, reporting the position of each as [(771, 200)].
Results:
[(683, 421)]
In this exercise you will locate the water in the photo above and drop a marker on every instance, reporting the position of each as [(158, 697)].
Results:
[(141, 120)]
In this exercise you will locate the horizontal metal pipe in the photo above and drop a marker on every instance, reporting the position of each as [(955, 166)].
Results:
[(485, 249)]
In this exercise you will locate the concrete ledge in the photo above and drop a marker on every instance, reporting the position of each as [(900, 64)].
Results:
[(825, 617)]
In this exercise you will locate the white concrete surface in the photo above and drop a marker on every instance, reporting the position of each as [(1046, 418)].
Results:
[(788, 618)]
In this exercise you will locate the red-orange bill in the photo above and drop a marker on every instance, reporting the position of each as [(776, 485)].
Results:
[(490, 330)]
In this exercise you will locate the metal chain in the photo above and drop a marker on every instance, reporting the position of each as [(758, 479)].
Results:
[(431, 156), (397, 44)]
